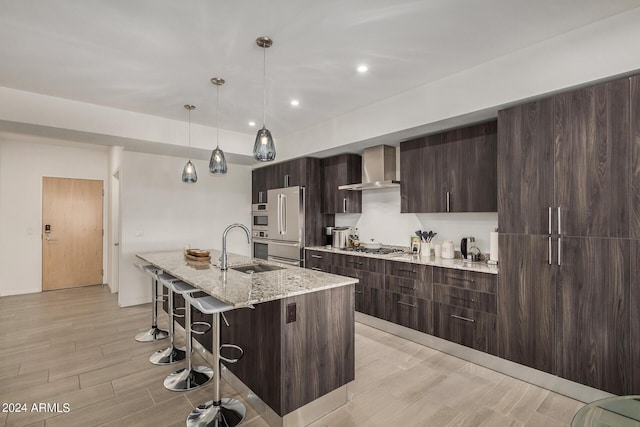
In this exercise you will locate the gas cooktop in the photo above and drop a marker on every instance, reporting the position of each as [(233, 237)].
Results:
[(381, 251)]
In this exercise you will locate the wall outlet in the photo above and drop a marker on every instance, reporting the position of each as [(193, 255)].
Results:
[(291, 312)]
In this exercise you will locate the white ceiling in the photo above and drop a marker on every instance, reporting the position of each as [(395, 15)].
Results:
[(153, 56)]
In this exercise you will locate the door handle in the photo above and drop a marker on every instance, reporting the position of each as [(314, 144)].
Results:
[(559, 221), (116, 244), (448, 202), (344, 205), (550, 262), (284, 214), (559, 250), (550, 231)]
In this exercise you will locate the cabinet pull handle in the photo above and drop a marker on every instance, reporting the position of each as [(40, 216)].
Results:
[(462, 299), (316, 269), (408, 287), (286, 180), (344, 205), (405, 303), (316, 256), (354, 262), (408, 271), (559, 221), (358, 292), (448, 202), (466, 319), (559, 250), (550, 262), (550, 215), (464, 279)]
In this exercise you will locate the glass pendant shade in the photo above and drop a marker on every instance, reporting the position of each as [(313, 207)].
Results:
[(189, 174), (217, 163), (264, 149)]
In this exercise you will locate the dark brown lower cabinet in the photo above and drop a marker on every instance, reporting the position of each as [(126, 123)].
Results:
[(635, 317), (370, 301), (466, 327), (592, 319), (527, 289), (409, 311)]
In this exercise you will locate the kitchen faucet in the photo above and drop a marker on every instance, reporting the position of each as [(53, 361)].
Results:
[(223, 258)]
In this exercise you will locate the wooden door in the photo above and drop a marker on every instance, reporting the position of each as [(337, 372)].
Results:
[(470, 168), (421, 173), (525, 167), (592, 313), (72, 250), (593, 160), (527, 303)]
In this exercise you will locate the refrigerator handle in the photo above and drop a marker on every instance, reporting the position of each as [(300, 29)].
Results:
[(283, 208), (278, 204)]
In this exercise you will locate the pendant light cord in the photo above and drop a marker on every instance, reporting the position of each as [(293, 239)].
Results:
[(217, 116), (264, 86), (189, 134)]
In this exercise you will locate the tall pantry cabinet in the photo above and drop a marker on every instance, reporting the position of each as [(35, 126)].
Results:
[(564, 206)]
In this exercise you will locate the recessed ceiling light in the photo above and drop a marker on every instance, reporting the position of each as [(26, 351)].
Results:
[(295, 102), (252, 124), (362, 68)]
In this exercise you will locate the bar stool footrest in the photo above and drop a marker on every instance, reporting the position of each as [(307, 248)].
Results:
[(207, 328), (234, 347)]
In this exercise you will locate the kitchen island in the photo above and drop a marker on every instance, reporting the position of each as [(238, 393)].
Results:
[(296, 327)]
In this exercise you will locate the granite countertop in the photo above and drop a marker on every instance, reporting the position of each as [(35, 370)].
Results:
[(459, 264), (241, 289)]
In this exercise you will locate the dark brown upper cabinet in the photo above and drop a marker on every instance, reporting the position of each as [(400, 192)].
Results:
[(454, 171), (341, 170), (259, 185), (592, 160), (525, 167)]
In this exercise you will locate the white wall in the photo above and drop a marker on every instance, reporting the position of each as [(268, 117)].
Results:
[(160, 212), (23, 163), (381, 220), (113, 255)]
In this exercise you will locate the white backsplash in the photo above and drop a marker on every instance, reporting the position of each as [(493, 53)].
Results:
[(381, 220)]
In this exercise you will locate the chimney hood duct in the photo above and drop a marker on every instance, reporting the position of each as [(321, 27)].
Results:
[(378, 169)]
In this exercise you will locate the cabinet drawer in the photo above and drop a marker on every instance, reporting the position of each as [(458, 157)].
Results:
[(416, 288), (373, 265), (409, 311), (369, 301), (460, 297), (370, 280), (466, 327), (481, 282), (316, 260), (409, 270)]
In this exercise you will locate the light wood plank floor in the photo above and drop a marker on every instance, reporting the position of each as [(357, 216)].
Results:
[(76, 346)]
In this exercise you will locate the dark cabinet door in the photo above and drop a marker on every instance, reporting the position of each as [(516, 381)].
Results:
[(291, 173), (634, 306), (421, 173), (635, 157), (470, 168), (259, 185), (465, 327), (593, 313), (592, 160), (527, 289), (525, 167), (341, 170)]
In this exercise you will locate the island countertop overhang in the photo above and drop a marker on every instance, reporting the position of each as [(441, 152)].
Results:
[(240, 289)]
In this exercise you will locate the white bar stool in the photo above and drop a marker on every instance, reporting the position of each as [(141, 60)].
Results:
[(153, 334), (171, 354), (216, 412), (192, 376)]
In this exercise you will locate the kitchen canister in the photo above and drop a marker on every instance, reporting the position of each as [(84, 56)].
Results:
[(493, 247), (437, 250)]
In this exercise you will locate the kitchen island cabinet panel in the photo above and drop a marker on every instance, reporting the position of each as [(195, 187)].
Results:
[(341, 170), (593, 159), (466, 327), (593, 313), (525, 167), (291, 364), (527, 289)]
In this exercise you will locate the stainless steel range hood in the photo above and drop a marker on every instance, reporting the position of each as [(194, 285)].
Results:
[(378, 169)]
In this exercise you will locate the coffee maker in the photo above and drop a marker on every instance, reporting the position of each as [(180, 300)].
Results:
[(328, 237)]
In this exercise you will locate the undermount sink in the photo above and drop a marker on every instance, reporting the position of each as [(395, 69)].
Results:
[(256, 268)]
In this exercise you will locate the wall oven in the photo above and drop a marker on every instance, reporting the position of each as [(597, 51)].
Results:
[(260, 220)]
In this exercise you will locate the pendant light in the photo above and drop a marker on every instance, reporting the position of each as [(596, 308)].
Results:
[(264, 149), (189, 174), (217, 163)]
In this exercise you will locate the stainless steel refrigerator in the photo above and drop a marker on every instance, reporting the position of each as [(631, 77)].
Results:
[(285, 229)]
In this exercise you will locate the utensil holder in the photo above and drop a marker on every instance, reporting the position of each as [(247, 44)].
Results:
[(425, 249)]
